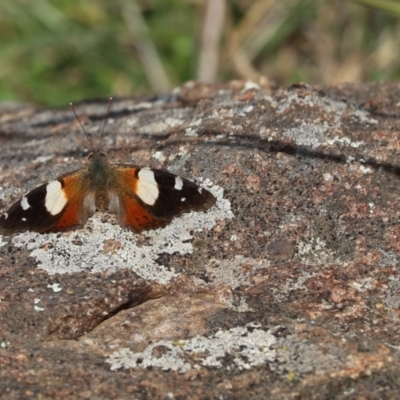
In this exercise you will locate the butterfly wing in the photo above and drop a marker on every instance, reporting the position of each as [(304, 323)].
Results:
[(150, 198), (56, 205)]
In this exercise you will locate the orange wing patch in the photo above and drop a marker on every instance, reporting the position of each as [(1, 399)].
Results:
[(70, 217), (74, 192), (136, 217)]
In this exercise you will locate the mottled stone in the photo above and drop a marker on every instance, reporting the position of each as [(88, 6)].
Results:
[(288, 288)]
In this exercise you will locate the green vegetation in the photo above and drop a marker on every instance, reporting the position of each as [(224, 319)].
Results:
[(53, 52)]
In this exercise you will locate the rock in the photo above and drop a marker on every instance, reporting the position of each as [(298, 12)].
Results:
[(288, 287)]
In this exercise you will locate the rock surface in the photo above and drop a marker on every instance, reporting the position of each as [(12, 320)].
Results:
[(288, 288)]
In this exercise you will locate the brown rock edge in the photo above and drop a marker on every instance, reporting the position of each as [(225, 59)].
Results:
[(296, 296)]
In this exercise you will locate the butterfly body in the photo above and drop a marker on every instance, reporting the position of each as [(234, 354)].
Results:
[(141, 198)]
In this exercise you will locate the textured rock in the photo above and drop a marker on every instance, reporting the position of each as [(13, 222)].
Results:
[(289, 287)]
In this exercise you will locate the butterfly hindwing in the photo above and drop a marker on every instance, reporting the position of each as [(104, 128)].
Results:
[(133, 215)]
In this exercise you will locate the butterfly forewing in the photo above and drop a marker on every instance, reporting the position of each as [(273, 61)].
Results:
[(157, 196), (53, 206), (178, 195)]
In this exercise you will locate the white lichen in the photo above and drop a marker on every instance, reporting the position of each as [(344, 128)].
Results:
[(249, 346)]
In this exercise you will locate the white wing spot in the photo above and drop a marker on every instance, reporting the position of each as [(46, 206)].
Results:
[(23, 219), (55, 199), (178, 183), (183, 198), (147, 188), (24, 203), (5, 215)]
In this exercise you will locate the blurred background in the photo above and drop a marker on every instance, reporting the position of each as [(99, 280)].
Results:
[(53, 52)]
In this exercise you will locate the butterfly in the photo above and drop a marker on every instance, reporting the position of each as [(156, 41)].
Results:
[(141, 198)]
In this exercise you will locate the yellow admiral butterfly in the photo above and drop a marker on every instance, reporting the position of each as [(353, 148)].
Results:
[(141, 198)]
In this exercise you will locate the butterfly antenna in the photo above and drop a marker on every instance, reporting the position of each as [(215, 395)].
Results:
[(88, 137), (105, 121)]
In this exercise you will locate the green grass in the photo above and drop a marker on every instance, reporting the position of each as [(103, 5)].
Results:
[(53, 52)]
